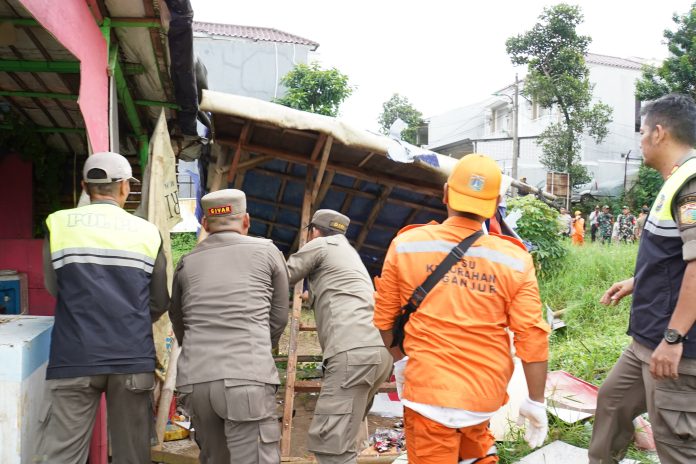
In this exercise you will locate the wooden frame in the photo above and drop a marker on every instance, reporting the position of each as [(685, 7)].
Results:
[(244, 146)]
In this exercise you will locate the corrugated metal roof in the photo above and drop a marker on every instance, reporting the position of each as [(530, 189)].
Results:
[(613, 61), (265, 34)]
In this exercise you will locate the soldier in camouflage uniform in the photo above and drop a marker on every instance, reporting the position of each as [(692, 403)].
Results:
[(627, 222), (605, 224)]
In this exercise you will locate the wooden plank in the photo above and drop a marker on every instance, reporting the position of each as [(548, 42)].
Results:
[(300, 358), (241, 173), (273, 224), (353, 191), (325, 185), (313, 386), (308, 328), (376, 247), (279, 199), (321, 141), (243, 137), (299, 158), (313, 188), (167, 394), (253, 162), (381, 201), (168, 457), (220, 166), (382, 249), (239, 178), (345, 207), (366, 159), (291, 371), (322, 167)]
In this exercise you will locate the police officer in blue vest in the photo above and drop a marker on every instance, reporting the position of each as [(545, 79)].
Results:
[(657, 372), (107, 271)]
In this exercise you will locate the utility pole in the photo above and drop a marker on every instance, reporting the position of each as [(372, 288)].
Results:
[(628, 156), (515, 126)]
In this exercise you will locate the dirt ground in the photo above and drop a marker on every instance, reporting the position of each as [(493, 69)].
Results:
[(308, 344), (304, 410)]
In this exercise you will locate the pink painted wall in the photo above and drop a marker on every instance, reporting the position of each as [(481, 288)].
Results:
[(16, 207), (72, 23), (18, 250)]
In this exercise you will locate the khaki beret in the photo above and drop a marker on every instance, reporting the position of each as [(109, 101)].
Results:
[(224, 203), (330, 219)]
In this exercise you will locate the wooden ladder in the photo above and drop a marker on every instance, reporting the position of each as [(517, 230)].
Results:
[(315, 189)]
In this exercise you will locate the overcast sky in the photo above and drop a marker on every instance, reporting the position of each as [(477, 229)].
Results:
[(439, 54)]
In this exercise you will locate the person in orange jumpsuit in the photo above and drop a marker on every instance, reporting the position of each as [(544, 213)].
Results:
[(459, 361), (578, 229)]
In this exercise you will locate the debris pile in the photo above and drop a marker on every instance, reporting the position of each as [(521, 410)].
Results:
[(388, 440)]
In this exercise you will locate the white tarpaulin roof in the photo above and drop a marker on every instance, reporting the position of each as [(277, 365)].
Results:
[(346, 133)]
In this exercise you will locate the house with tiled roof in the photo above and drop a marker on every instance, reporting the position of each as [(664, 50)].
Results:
[(248, 60), (486, 127)]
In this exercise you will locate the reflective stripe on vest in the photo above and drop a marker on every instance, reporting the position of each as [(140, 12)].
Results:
[(660, 267), (479, 251), (660, 220), (122, 239)]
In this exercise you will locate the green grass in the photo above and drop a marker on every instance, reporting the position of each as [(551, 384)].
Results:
[(594, 337), (595, 334)]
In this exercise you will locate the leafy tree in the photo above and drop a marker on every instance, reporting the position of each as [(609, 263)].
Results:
[(557, 76), (540, 226), (316, 90), (399, 107), (647, 187), (678, 72)]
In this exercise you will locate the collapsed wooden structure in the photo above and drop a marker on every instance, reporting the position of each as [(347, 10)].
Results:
[(291, 163)]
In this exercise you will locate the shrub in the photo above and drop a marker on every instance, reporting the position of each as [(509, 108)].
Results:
[(182, 243), (540, 226), (646, 188)]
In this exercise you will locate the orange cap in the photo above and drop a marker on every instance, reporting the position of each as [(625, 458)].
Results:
[(474, 185)]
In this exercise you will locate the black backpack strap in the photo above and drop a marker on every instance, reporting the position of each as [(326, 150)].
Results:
[(456, 254), (420, 292)]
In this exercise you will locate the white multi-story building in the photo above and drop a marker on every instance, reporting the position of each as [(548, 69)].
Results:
[(241, 60), (486, 127)]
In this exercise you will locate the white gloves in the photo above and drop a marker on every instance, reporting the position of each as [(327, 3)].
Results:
[(538, 423), (399, 374)]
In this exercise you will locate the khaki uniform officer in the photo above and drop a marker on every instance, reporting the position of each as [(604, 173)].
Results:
[(229, 308), (355, 359)]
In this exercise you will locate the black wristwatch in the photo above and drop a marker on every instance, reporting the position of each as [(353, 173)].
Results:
[(672, 337)]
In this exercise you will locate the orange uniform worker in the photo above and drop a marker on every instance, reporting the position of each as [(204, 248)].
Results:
[(459, 361), (578, 236)]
